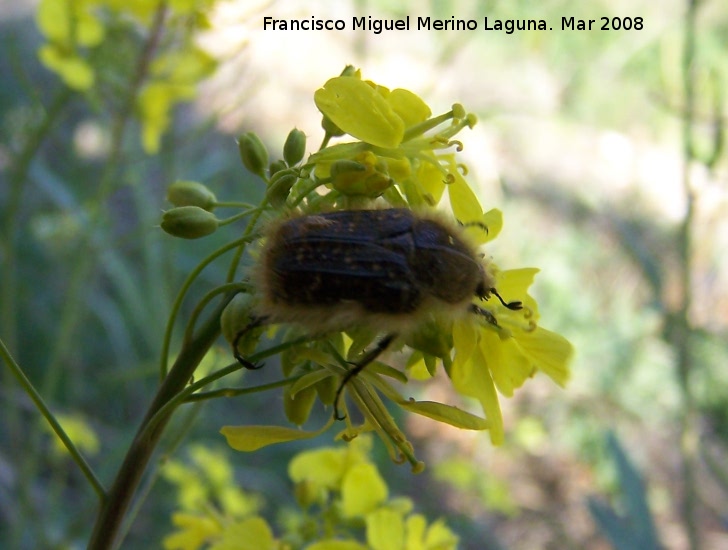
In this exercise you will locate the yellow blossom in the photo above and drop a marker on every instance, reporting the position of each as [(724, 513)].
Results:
[(505, 356)]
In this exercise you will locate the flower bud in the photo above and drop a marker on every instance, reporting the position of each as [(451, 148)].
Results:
[(189, 222), (237, 318), (191, 193), (277, 166), (295, 147), (367, 176), (253, 153), (280, 187)]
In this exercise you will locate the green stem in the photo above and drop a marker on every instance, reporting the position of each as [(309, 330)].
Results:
[(682, 337), (206, 299), (119, 497), (167, 342), (20, 164), (26, 384)]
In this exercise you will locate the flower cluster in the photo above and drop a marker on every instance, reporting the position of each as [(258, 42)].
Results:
[(401, 156), (341, 498), (76, 30)]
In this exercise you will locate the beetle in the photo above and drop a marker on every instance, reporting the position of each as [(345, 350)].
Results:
[(385, 269)]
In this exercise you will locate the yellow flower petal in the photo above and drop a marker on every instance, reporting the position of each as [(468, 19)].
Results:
[(508, 365), (472, 378), (362, 490), (336, 545), (440, 537), (493, 220), (415, 526), (360, 111), (194, 531), (74, 70), (409, 106), (249, 534), (431, 179), (385, 530), (550, 353), (252, 438), (324, 467)]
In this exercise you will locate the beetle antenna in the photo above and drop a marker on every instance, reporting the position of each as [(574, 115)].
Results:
[(515, 305), (375, 352), (255, 322)]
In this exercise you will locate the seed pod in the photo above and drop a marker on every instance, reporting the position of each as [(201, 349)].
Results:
[(295, 147), (253, 153), (189, 222), (191, 193)]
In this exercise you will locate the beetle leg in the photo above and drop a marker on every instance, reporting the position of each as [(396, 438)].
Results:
[(484, 313), (256, 322), (375, 352)]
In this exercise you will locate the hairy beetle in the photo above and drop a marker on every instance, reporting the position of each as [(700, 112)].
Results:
[(384, 269)]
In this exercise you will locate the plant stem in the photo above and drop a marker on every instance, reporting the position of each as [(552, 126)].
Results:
[(48, 415), (682, 334), (114, 506)]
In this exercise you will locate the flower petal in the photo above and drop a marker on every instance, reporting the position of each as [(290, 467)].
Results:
[(252, 438), (360, 111), (362, 490), (550, 353), (409, 106), (385, 530), (508, 365), (472, 378)]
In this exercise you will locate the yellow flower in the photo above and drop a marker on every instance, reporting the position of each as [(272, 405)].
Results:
[(75, 71), (79, 431), (404, 156), (193, 532), (394, 128), (503, 357), (66, 23), (389, 529)]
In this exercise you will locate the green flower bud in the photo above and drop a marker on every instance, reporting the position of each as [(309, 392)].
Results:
[(253, 153), (236, 318), (191, 193), (276, 167), (368, 178), (345, 167), (295, 147), (189, 222), (280, 188)]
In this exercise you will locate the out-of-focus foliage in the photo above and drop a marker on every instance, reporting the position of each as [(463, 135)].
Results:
[(634, 529), (79, 35)]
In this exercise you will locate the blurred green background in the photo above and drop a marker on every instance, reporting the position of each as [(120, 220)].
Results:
[(604, 150)]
